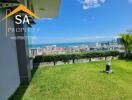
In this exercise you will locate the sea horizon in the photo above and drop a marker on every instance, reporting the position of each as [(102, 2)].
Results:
[(63, 45)]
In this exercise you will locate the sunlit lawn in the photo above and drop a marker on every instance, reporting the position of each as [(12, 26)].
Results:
[(81, 82)]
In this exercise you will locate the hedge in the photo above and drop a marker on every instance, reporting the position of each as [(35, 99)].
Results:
[(123, 56), (67, 57)]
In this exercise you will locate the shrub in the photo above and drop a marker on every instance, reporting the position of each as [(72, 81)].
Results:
[(125, 56), (66, 57)]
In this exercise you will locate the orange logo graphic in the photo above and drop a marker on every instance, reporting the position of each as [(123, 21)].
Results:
[(21, 8)]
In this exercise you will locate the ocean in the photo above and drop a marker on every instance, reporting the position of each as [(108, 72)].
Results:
[(62, 44)]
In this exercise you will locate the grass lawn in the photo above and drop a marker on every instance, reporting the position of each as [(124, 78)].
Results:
[(80, 82)]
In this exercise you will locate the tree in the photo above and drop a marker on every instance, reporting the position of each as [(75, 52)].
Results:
[(126, 41), (129, 31)]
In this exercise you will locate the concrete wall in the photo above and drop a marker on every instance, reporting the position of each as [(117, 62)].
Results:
[(9, 72)]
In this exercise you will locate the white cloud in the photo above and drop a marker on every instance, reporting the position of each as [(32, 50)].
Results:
[(91, 3), (129, 1)]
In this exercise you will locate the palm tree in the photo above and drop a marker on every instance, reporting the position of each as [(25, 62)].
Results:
[(126, 41)]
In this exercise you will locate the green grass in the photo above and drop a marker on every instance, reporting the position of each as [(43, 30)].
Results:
[(81, 82)]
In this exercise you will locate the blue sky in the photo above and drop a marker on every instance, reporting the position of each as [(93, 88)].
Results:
[(85, 20)]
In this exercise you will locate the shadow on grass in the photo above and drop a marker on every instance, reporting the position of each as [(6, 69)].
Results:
[(126, 59), (104, 72), (18, 95)]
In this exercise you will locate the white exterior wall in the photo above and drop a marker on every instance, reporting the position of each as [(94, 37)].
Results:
[(9, 72)]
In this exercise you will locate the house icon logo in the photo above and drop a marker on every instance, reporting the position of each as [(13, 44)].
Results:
[(21, 8), (19, 19)]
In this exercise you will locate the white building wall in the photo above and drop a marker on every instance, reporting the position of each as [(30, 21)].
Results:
[(9, 72)]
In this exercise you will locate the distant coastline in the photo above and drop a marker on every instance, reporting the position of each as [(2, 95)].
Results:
[(62, 44)]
